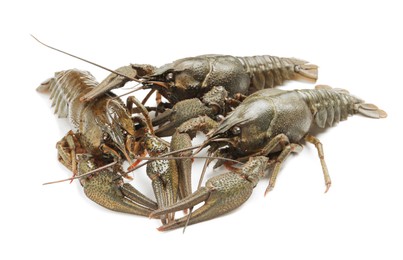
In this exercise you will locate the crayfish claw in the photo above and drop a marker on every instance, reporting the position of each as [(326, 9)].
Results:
[(133, 194), (111, 82), (221, 194), (182, 111), (106, 188)]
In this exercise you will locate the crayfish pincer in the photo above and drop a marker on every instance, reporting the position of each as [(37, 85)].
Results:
[(106, 188), (221, 194)]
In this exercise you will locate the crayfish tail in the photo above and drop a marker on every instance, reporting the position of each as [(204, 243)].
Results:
[(370, 110), (308, 72), (44, 86), (270, 71)]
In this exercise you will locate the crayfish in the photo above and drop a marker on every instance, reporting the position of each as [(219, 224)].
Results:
[(250, 126)]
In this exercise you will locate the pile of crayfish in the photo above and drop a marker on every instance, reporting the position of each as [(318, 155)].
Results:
[(250, 128)]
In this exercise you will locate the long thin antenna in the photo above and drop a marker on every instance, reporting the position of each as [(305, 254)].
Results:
[(206, 163), (188, 157), (90, 62), (177, 158), (83, 175), (130, 92), (180, 150)]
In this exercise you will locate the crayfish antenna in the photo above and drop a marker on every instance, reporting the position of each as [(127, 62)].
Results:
[(206, 163), (204, 144), (87, 61), (82, 175)]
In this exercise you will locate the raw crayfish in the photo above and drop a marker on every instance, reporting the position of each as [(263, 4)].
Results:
[(258, 126), (105, 132), (270, 122)]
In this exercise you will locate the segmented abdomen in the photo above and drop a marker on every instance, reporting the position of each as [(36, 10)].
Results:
[(269, 71), (330, 106), (66, 88)]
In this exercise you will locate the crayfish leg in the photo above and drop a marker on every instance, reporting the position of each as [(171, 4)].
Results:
[(287, 150), (315, 141), (67, 148)]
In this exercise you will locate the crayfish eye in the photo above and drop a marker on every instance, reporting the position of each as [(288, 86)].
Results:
[(219, 118), (236, 130), (169, 76)]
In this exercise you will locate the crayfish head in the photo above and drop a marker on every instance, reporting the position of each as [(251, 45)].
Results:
[(244, 131), (181, 79)]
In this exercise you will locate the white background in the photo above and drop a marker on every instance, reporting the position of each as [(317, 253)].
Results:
[(358, 46)]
